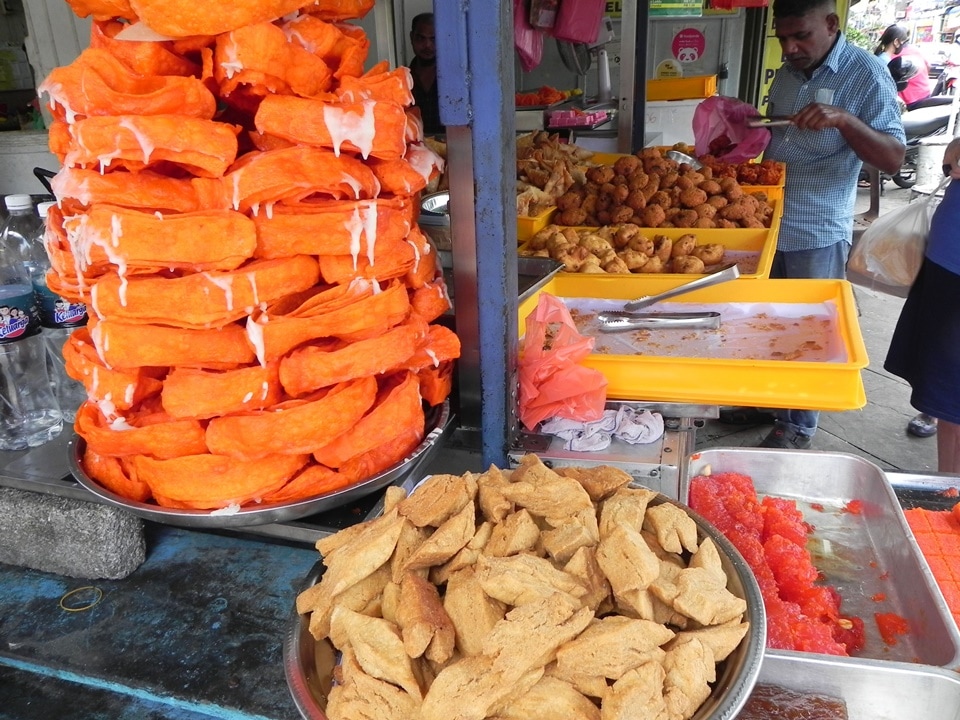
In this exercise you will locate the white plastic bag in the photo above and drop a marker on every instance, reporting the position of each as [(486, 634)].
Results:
[(890, 252)]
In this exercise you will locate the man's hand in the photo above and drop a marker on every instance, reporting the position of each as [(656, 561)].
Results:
[(875, 148), (817, 116)]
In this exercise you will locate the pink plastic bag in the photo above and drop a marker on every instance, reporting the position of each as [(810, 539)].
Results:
[(527, 39), (579, 20), (552, 382), (720, 129)]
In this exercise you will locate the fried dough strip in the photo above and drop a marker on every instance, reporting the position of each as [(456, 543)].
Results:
[(202, 394), (312, 366), (431, 300), (124, 388), (179, 18), (102, 9), (378, 83), (410, 174), (261, 56), (142, 57), (205, 481), (111, 473), (333, 227), (313, 481), (333, 10), (292, 174), (392, 260), (355, 311), (201, 300), (383, 456), (202, 147), (369, 127), (130, 346), (144, 190), (425, 264), (97, 83), (295, 426), (436, 383), (159, 439), (396, 409), (342, 46), (128, 239), (440, 345)]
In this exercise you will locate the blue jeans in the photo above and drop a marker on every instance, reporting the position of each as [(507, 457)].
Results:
[(822, 263)]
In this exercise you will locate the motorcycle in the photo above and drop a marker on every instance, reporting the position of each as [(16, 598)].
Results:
[(924, 121)]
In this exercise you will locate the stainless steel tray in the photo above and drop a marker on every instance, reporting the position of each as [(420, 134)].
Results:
[(871, 689), (308, 664), (438, 419), (861, 555)]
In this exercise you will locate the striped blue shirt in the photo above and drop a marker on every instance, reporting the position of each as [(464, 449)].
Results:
[(822, 169)]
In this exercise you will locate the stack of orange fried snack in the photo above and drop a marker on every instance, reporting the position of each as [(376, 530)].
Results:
[(237, 207)]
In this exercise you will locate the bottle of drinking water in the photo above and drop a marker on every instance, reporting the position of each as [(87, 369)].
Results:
[(59, 318), (29, 413)]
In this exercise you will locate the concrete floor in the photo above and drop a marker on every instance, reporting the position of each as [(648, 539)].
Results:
[(878, 431)]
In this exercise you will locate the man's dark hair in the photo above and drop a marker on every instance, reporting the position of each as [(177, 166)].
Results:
[(421, 19), (799, 8)]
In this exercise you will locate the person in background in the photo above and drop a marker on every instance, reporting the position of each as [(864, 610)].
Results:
[(843, 109), (894, 43), (925, 347), (423, 67)]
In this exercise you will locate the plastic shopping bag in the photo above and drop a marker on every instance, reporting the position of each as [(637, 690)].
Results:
[(888, 255), (527, 39), (552, 382), (720, 129), (578, 21)]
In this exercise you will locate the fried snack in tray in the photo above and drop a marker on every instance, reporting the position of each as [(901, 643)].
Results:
[(451, 605), (625, 248), (546, 168), (225, 254)]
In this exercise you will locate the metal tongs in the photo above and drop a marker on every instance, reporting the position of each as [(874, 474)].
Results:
[(759, 121), (618, 321), (720, 275)]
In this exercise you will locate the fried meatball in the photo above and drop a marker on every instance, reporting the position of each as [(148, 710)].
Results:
[(683, 245), (731, 188), (669, 179), (711, 187), (692, 197), (621, 214), (653, 215), (636, 200), (705, 210), (661, 198), (603, 217), (724, 223), (705, 223), (718, 201), (570, 200), (709, 253), (685, 219), (687, 264), (684, 183), (600, 174), (575, 216), (589, 205), (626, 165), (638, 180)]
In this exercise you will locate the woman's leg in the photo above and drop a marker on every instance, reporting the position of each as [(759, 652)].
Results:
[(948, 447)]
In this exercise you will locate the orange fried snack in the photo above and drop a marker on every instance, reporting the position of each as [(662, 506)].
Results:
[(343, 47), (318, 365), (119, 438), (131, 346), (202, 147), (313, 481), (391, 260), (440, 345), (378, 83), (144, 190), (295, 426), (207, 482), (436, 383), (396, 410), (123, 388), (97, 83), (370, 127), (179, 18), (408, 175), (383, 457), (261, 57), (102, 9), (333, 227), (425, 264), (143, 57), (112, 473), (431, 300), (295, 173), (354, 311), (203, 394), (126, 238), (201, 300), (334, 10)]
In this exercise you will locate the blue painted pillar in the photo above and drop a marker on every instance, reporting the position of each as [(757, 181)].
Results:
[(476, 86)]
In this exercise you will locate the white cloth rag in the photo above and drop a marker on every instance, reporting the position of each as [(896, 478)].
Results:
[(626, 423)]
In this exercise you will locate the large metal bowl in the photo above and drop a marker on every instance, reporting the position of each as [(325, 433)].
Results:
[(434, 218), (437, 420), (308, 664)]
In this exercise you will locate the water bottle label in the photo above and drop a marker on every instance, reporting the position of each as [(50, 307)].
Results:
[(18, 314), (56, 312)]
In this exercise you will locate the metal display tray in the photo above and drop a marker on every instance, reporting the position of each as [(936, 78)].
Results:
[(872, 690), (871, 557)]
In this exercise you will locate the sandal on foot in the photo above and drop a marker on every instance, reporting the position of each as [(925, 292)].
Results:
[(922, 426), (746, 416)]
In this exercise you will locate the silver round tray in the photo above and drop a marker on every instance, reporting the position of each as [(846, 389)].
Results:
[(437, 420), (309, 664)]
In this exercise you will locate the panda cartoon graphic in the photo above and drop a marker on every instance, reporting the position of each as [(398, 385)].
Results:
[(688, 55)]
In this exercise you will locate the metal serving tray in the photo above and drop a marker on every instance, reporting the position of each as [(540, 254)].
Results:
[(871, 689), (862, 555)]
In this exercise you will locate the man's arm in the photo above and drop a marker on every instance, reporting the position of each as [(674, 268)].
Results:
[(876, 148)]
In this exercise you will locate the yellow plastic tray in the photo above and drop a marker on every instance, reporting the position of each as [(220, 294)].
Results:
[(685, 88), (763, 383), (530, 225)]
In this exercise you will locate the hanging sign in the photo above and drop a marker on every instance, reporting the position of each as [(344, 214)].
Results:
[(692, 8)]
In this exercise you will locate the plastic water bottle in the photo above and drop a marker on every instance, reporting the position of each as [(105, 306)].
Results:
[(59, 318), (29, 413)]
